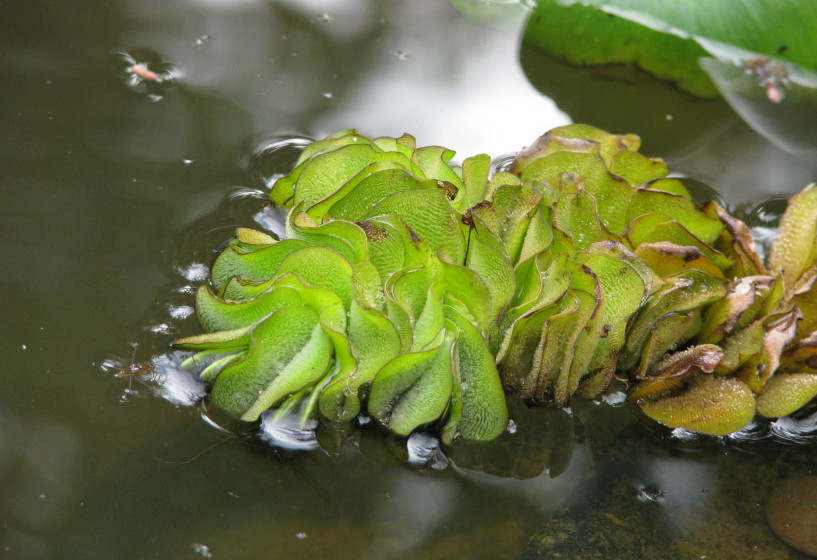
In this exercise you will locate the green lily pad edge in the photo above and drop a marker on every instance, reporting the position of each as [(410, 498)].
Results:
[(667, 39), (419, 292)]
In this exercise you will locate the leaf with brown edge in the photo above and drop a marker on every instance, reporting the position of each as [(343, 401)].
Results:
[(667, 374), (802, 356), (779, 332), (709, 405), (669, 259), (804, 296), (739, 307), (736, 242)]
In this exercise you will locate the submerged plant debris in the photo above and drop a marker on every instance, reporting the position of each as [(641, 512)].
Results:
[(418, 292)]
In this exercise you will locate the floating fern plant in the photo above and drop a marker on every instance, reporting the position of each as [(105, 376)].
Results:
[(418, 291)]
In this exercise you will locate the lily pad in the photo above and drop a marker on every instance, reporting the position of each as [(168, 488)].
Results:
[(666, 39)]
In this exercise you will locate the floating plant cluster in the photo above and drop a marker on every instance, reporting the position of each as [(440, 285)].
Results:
[(418, 292)]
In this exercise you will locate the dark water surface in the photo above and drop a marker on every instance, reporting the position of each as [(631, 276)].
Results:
[(111, 194)]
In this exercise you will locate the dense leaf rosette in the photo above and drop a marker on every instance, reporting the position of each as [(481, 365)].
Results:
[(417, 291)]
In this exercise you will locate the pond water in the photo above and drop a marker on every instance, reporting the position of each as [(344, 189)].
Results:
[(114, 194)]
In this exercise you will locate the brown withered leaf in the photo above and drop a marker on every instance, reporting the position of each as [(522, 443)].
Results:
[(736, 242), (669, 373), (780, 332)]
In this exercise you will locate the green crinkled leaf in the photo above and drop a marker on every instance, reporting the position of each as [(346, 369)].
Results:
[(636, 168), (372, 188), (429, 323), (669, 259), (514, 207), (429, 214), (794, 250), (681, 294), (321, 266), (217, 314), (220, 340), (656, 227), (670, 332), (406, 144), (257, 265), (804, 296), (515, 359), (322, 176), (344, 237), (374, 340), (539, 235), (476, 172), (414, 388), (494, 268), (625, 283), (679, 208), (576, 215), (483, 414), (374, 182), (612, 193), (434, 161), (289, 351)]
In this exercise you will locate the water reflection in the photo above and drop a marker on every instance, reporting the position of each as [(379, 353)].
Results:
[(39, 467)]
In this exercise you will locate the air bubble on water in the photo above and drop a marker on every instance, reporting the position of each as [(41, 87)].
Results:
[(400, 56), (798, 429), (286, 431), (272, 219), (202, 550), (163, 328), (687, 436), (614, 398), (424, 449), (649, 494), (502, 163), (301, 535), (174, 385), (188, 161), (195, 272), (128, 396), (274, 156), (326, 18), (327, 94), (181, 311), (109, 365), (512, 427), (243, 193), (201, 39)]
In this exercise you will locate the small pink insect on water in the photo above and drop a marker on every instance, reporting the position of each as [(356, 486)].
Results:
[(144, 72)]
